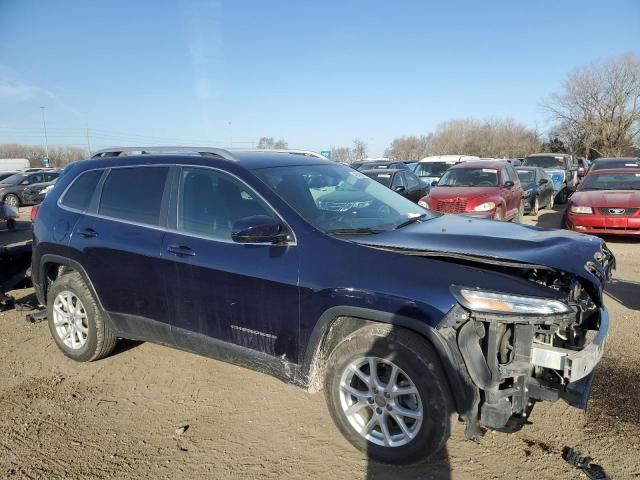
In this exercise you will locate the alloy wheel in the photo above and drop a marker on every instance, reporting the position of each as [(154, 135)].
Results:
[(381, 402), (70, 320)]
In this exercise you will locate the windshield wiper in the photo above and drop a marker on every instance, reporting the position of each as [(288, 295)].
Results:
[(354, 231), (411, 220)]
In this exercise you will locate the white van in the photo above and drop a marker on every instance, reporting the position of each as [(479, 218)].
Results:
[(13, 164), (430, 169)]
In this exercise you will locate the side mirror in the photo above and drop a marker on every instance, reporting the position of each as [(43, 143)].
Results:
[(399, 189), (434, 183), (508, 184), (258, 229), (543, 181)]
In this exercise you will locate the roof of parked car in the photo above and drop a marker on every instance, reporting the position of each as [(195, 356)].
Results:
[(548, 155), (383, 170)]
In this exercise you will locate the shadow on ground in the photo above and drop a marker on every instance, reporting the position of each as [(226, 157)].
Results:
[(615, 392), (625, 292)]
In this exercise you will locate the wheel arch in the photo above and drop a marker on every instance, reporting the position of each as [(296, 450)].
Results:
[(339, 321)]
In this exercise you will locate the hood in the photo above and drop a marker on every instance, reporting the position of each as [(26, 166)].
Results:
[(468, 193), (608, 198), (503, 243)]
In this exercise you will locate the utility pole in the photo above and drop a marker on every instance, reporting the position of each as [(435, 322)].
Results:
[(44, 127), (88, 142)]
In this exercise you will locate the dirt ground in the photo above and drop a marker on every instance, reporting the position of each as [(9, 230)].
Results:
[(120, 417)]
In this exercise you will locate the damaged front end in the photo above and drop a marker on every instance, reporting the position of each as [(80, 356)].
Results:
[(520, 350)]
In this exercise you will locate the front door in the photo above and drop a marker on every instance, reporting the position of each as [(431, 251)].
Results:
[(246, 294)]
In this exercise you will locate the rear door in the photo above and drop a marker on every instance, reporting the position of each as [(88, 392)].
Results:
[(246, 294), (120, 240)]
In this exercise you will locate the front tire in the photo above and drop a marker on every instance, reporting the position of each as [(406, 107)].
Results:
[(387, 394), (76, 323), (562, 196), (12, 200), (536, 207)]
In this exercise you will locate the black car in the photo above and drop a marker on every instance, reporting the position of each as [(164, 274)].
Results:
[(538, 189), (379, 164), (4, 175), (403, 182), (12, 188), (34, 194), (315, 273)]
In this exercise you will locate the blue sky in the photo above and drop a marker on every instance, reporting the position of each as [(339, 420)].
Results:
[(315, 73)]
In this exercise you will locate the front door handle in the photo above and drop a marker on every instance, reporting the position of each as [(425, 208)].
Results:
[(181, 250), (87, 232)]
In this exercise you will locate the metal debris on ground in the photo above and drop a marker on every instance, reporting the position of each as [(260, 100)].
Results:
[(181, 429), (36, 317), (583, 462)]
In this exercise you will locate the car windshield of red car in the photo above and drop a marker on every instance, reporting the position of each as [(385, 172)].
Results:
[(470, 177), (612, 181)]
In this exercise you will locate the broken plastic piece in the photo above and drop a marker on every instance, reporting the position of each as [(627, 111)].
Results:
[(36, 317), (583, 462)]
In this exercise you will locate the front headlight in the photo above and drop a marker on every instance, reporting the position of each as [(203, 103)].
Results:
[(423, 204), (493, 302), (580, 209), (485, 207)]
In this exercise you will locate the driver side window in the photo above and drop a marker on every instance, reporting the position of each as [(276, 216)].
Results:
[(398, 181), (210, 202)]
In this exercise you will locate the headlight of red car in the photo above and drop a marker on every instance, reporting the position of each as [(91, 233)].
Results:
[(580, 209), (485, 207)]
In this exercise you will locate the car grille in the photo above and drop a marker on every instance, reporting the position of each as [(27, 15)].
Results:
[(617, 212), (451, 206)]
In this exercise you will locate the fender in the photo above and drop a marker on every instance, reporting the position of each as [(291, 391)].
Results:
[(68, 262), (462, 392)]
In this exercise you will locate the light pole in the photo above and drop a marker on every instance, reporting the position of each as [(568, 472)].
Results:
[(44, 127)]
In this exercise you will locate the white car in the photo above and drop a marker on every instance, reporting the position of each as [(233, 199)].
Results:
[(430, 169)]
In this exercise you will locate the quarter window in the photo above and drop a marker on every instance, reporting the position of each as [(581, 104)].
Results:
[(134, 194), (210, 202), (80, 193)]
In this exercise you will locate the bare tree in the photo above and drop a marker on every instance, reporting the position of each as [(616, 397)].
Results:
[(58, 156), (341, 154), (490, 138), (269, 143), (409, 148), (601, 102), (359, 150)]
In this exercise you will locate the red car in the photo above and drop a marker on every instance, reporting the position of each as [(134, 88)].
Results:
[(606, 202), (486, 189)]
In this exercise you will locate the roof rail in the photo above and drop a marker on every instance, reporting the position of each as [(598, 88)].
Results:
[(117, 151), (306, 153)]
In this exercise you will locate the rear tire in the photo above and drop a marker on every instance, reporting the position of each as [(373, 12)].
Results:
[(520, 215), (536, 207), (391, 427), (551, 200), (75, 321), (11, 225)]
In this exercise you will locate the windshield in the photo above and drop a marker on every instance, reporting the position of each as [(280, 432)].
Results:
[(617, 163), (611, 181), (380, 177), (546, 162), (526, 176), (337, 199), (469, 177), (14, 179), (431, 169)]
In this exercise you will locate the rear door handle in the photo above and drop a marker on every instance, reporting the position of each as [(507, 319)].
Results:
[(87, 232), (181, 250)]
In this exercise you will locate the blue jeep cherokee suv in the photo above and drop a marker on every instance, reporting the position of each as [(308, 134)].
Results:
[(314, 273)]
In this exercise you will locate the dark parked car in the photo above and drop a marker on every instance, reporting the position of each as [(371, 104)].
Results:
[(244, 256), (583, 166), (375, 164), (34, 194), (4, 175), (12, 188), (483, 189), (562, 171), (403, 182), (538, 189)]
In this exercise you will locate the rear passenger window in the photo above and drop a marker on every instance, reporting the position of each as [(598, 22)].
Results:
[(210, 202), (79, 195), (134, 194)]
